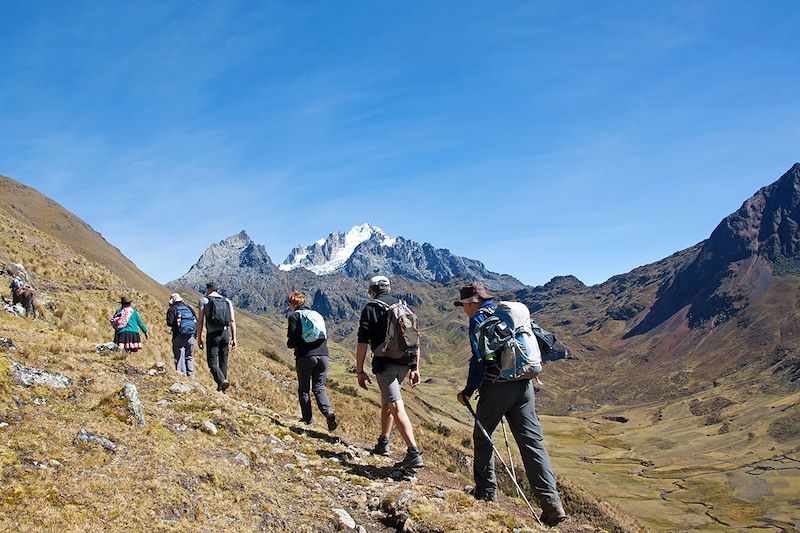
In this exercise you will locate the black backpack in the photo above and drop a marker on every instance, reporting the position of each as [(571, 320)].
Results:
[(217, 312)]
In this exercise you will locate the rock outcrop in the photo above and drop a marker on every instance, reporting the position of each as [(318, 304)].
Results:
[(738, 261), (28, 376), (87, 437)]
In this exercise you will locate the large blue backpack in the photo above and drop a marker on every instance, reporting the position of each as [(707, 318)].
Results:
[(509, 340), (187, 323)]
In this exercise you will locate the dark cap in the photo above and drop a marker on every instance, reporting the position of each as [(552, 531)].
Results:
[(125, 300), (472, 293)]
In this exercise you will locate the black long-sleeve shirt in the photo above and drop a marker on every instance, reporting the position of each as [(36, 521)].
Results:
[(294, 339)]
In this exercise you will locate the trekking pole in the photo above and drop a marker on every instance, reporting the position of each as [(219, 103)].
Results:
[(497, 453), (508, 449)]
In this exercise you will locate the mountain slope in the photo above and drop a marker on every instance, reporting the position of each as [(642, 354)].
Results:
[(259, 471), (738, 260), (26, 204), (672, 328)]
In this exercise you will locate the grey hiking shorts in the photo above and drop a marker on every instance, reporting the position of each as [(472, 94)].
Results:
[(389, 381)]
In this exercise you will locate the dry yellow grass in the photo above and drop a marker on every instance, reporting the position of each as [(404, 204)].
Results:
[(169, 475)]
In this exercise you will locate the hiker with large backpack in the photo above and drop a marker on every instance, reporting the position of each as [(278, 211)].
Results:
[(216, 316), (390, 328), (308, 336), (505, 356), (183, 321), (127, 323)]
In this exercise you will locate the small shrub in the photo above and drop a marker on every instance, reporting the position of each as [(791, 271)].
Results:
[(344, 389), (56, 348), (272, 354), (439, 428)]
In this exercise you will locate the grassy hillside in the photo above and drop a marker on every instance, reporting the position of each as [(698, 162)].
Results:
[(719, 453), (260, 471)]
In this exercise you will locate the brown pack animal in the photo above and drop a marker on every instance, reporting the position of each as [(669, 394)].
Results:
[(24, 295)]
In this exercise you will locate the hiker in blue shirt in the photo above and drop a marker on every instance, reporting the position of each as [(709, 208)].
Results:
[(183, 321), (515, 401)]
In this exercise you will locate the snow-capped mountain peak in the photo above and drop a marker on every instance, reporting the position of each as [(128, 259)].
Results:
[(329, 254)]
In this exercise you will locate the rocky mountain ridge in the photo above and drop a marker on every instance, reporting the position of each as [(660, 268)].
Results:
[(667, 307), (329, 254), (738, 261), (332, 271)]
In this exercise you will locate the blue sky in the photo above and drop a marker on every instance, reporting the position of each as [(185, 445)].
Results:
[(543, 138)]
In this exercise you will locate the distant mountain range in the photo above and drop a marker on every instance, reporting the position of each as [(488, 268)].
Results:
[(333, 271), (722, 294)]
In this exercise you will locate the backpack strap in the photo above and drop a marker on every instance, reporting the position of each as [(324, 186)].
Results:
[(485, 312), (380, 303)]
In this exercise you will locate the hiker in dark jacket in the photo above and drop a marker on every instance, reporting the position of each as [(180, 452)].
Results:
[(515, 401), (220, 337), (311, 360), (183, 321), (389, 374)]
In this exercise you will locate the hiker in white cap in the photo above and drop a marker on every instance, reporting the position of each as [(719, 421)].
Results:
[(391, 329), (183, 321)]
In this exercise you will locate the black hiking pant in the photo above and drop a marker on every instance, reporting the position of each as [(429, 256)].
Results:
[(515, 401), (217, 345), (311, 375)]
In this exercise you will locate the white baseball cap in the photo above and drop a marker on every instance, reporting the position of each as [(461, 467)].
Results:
[(379, 281)]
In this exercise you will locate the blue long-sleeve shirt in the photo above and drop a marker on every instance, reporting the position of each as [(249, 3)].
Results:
[(477, 367)]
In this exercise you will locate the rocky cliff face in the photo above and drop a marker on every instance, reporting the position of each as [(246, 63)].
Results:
[(737, 262), (367, 250), (332, 271), (244, 271), (329, 255)]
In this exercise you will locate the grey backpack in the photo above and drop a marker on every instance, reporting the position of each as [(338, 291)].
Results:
[(402, 331)]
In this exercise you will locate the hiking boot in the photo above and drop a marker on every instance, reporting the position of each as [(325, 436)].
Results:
[(553, 515), (382, 447), (307, 421), (224, 386), (413, 459), (483, 495), (332, 423)]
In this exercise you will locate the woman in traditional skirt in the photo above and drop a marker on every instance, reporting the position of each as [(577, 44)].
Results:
[(127, 323)]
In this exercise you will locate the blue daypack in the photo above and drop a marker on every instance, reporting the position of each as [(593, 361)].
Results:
[(312, 325), (187, 323)]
